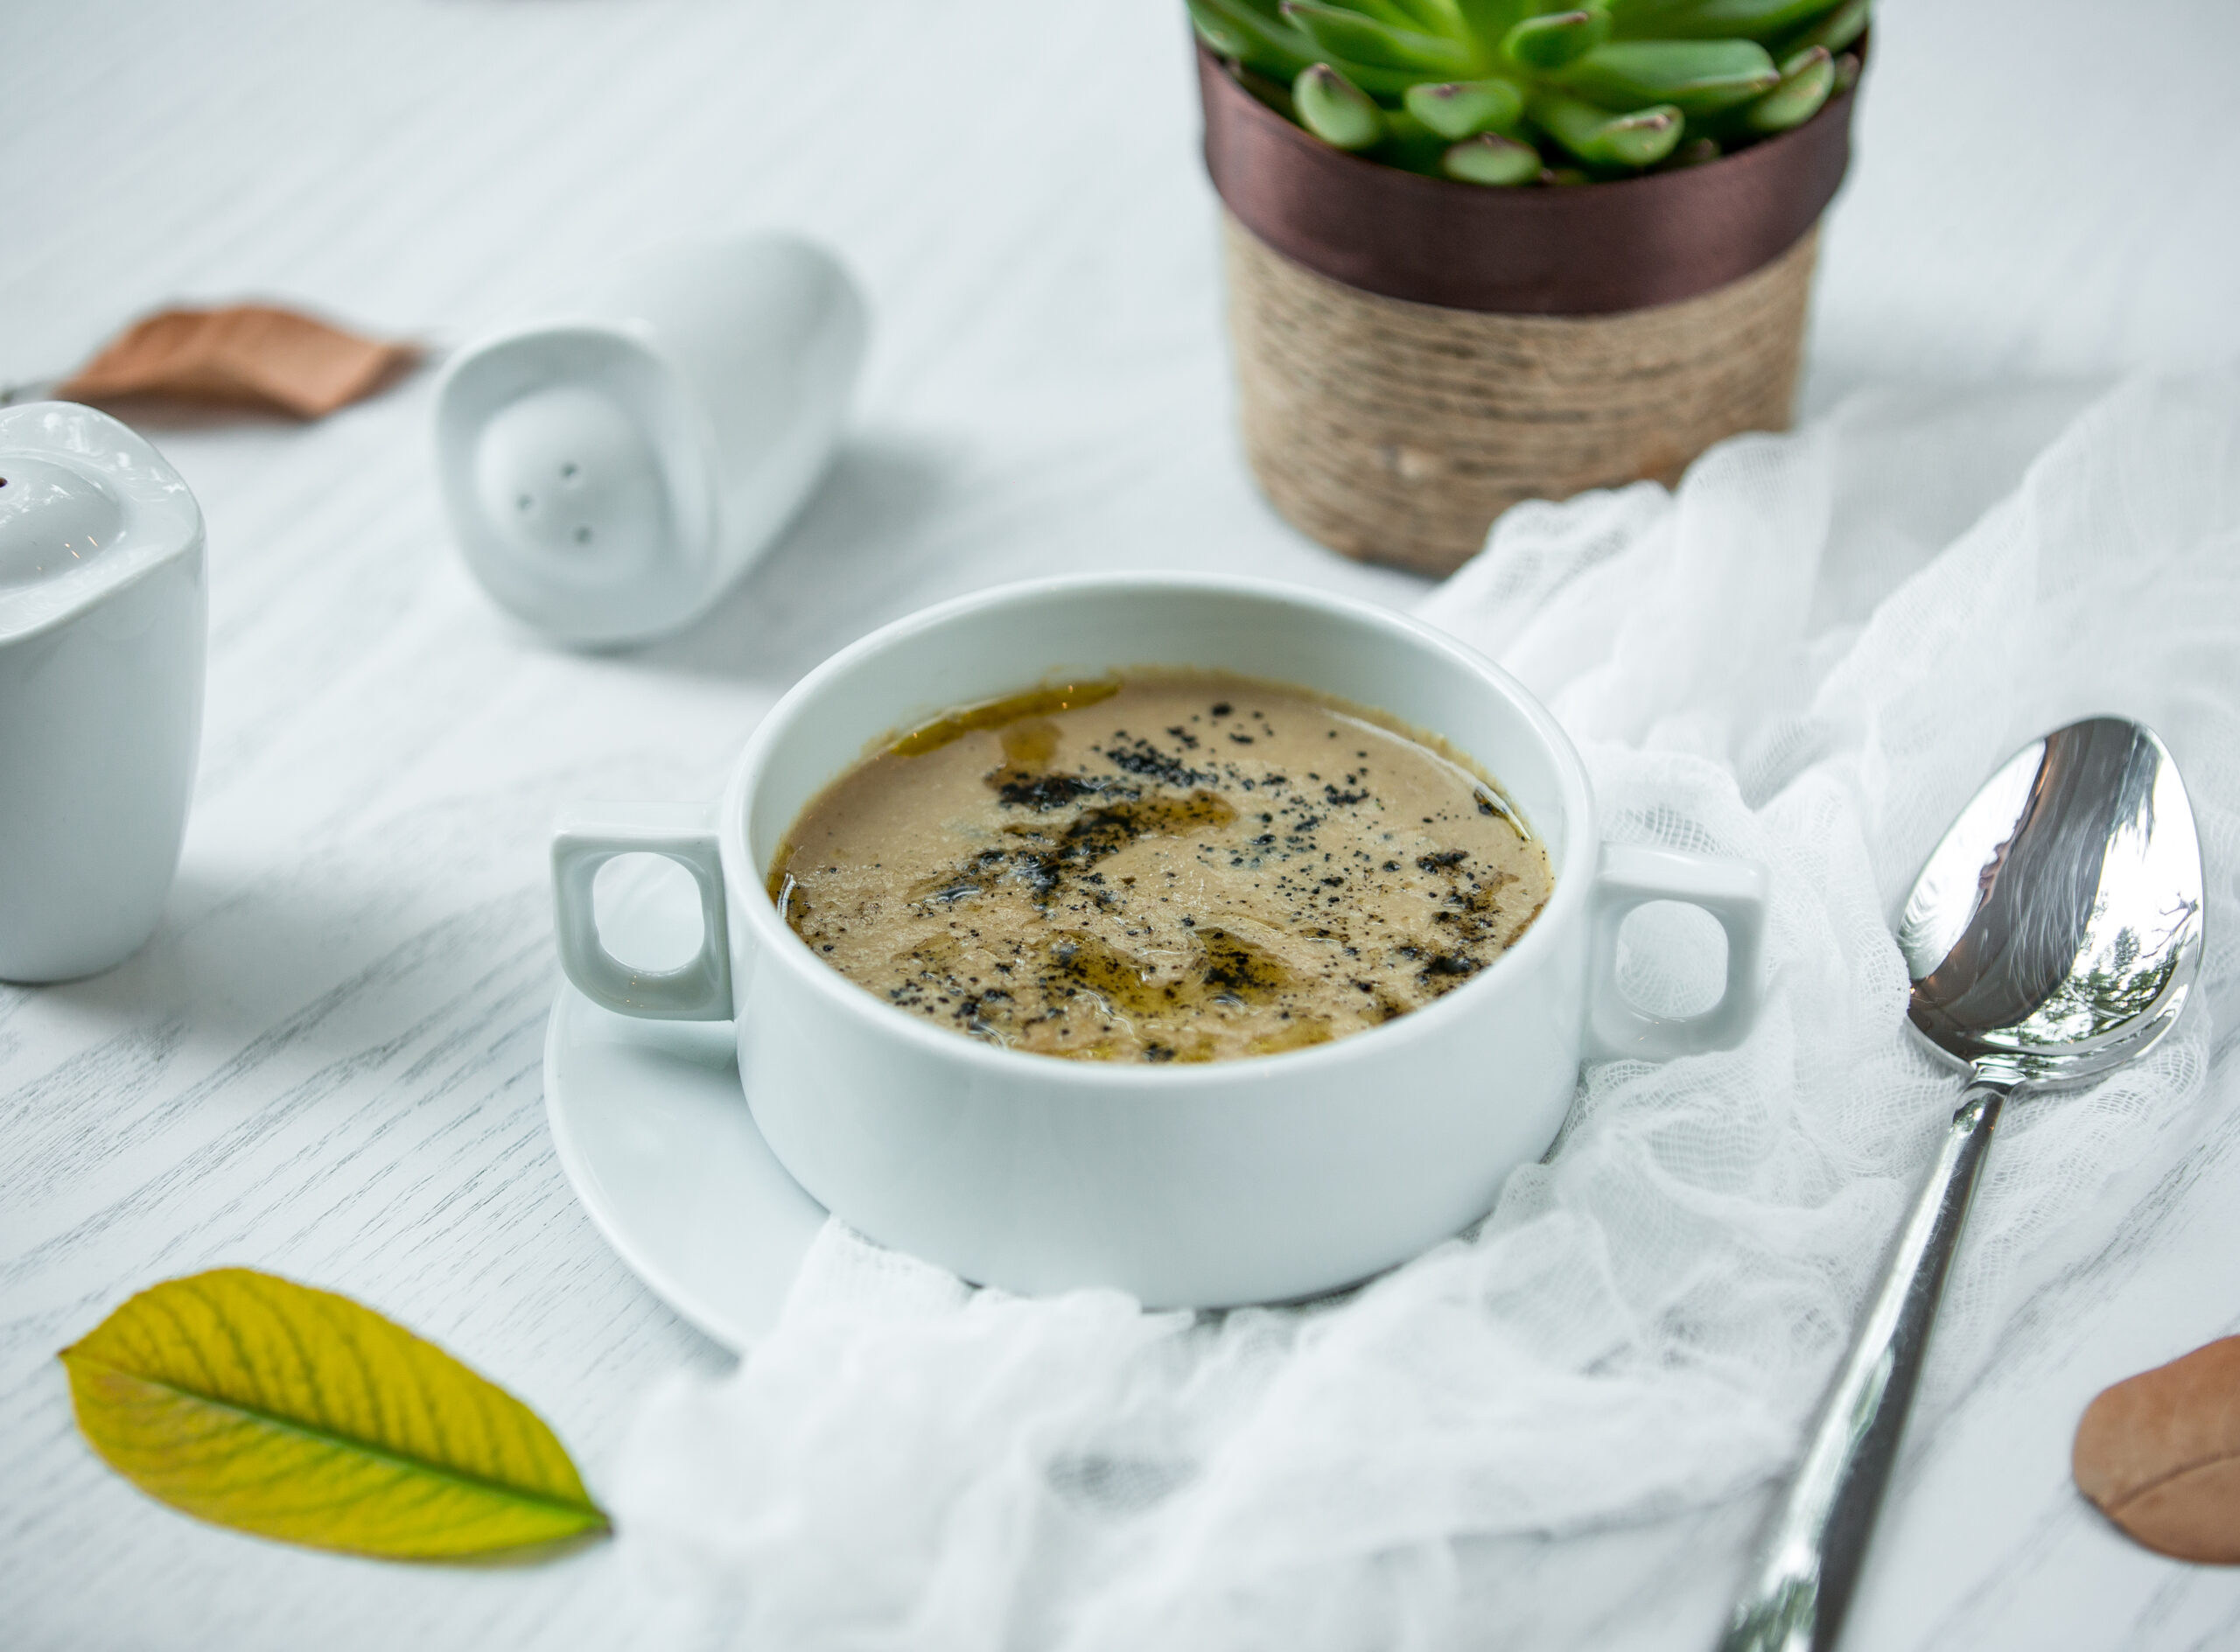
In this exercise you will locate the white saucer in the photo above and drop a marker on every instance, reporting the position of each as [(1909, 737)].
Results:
[(656, 1138)]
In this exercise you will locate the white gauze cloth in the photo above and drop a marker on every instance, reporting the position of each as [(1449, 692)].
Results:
[(1809, 655)]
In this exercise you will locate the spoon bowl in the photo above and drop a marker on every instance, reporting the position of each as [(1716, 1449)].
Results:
[(2054, 935), (2056, 932)]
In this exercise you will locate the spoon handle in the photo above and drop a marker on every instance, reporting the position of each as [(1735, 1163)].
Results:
[(1810, 1556)]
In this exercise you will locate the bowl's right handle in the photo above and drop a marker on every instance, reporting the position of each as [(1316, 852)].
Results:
[(1731, 890), (586, 839)]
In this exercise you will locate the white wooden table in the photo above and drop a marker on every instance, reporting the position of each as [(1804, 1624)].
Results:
[(327, 1062)]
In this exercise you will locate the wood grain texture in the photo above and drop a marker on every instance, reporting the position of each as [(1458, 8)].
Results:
[(328, 1062)]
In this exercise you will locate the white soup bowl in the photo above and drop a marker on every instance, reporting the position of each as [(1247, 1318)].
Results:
[(1258, 1179)]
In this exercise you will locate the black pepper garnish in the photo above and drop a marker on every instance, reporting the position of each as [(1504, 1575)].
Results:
[(1042, 793), (1141, 757)]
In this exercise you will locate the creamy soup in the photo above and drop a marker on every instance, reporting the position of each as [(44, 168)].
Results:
[(1160, 867)]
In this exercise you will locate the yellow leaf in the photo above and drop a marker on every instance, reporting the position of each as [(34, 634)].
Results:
[(251, 1402)]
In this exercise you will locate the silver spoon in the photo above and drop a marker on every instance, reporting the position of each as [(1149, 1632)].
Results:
[(2052, 937)]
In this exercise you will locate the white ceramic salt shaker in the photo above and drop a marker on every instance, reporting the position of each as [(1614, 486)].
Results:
[(609, 469), (103, 620)]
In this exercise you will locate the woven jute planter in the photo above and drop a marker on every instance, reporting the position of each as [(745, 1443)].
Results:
[(1414, 355)]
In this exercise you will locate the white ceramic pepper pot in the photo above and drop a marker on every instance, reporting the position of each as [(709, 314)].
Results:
[(609, 469), (103, 620)]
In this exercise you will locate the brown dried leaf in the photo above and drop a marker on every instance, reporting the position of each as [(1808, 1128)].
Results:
[(255, 354), (2159, 1452)]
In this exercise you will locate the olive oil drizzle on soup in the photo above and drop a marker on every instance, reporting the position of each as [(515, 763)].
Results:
[(1160, 867)]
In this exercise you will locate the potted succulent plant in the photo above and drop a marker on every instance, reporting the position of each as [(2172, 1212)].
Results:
[(1482, 250)]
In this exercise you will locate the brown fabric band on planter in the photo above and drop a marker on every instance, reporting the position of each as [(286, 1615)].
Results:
[(1576, 249)]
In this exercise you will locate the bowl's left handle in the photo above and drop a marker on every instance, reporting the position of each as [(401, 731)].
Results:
[(586, 839)]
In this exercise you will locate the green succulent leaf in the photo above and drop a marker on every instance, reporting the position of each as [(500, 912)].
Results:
[(257, 1403), (1760, 20), (1435, 16), (1490, 158), (1409, 143), (1276, 50), (1642, 137), (1840, 28), (1398, 14), (1233, 29), (1349, 35), (1695, 151), (1220, 38), (1486, 21), (1559, 38), (1807, 79), (1617, 86), (1457, 110), (1336, 110), (1700, 77)]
